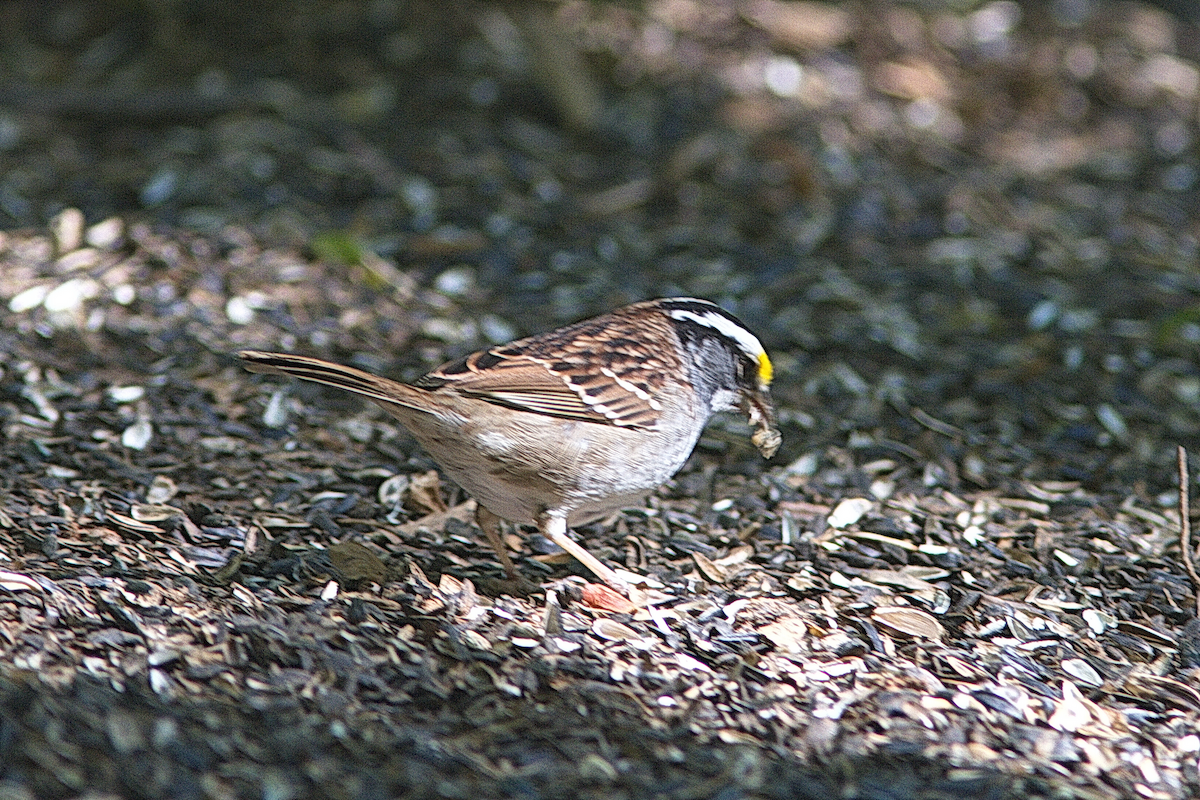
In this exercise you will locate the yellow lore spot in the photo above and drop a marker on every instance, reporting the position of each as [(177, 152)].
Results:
[(765, 370)]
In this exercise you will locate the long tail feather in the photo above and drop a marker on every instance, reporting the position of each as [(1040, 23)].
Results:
[(320, 371)]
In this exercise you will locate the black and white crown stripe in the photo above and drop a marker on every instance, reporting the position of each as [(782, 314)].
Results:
[(709, 315)]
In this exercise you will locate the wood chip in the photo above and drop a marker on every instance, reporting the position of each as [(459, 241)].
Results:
[(605, 598)]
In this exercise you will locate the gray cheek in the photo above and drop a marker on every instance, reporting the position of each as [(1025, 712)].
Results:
[(723, 400)]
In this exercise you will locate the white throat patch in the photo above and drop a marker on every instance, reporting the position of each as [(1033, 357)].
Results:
[(724, 400)]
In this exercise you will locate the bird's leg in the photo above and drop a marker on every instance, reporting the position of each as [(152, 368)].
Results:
[(491, 526), (554, 528)]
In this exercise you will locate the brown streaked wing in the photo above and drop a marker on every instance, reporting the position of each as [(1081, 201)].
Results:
[(518, 381), (575, 372)]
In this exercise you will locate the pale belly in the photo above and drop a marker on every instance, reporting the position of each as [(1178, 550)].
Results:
[(548, 464)]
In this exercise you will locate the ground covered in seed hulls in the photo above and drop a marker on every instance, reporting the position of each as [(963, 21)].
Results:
[(966, 232)]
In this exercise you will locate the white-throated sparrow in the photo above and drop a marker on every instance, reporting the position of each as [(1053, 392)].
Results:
[(567, 426)]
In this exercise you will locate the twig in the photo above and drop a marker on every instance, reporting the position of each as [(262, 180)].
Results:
[(1185, 527)]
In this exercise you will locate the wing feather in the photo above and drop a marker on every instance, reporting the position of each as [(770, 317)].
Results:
[(593, 371)]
